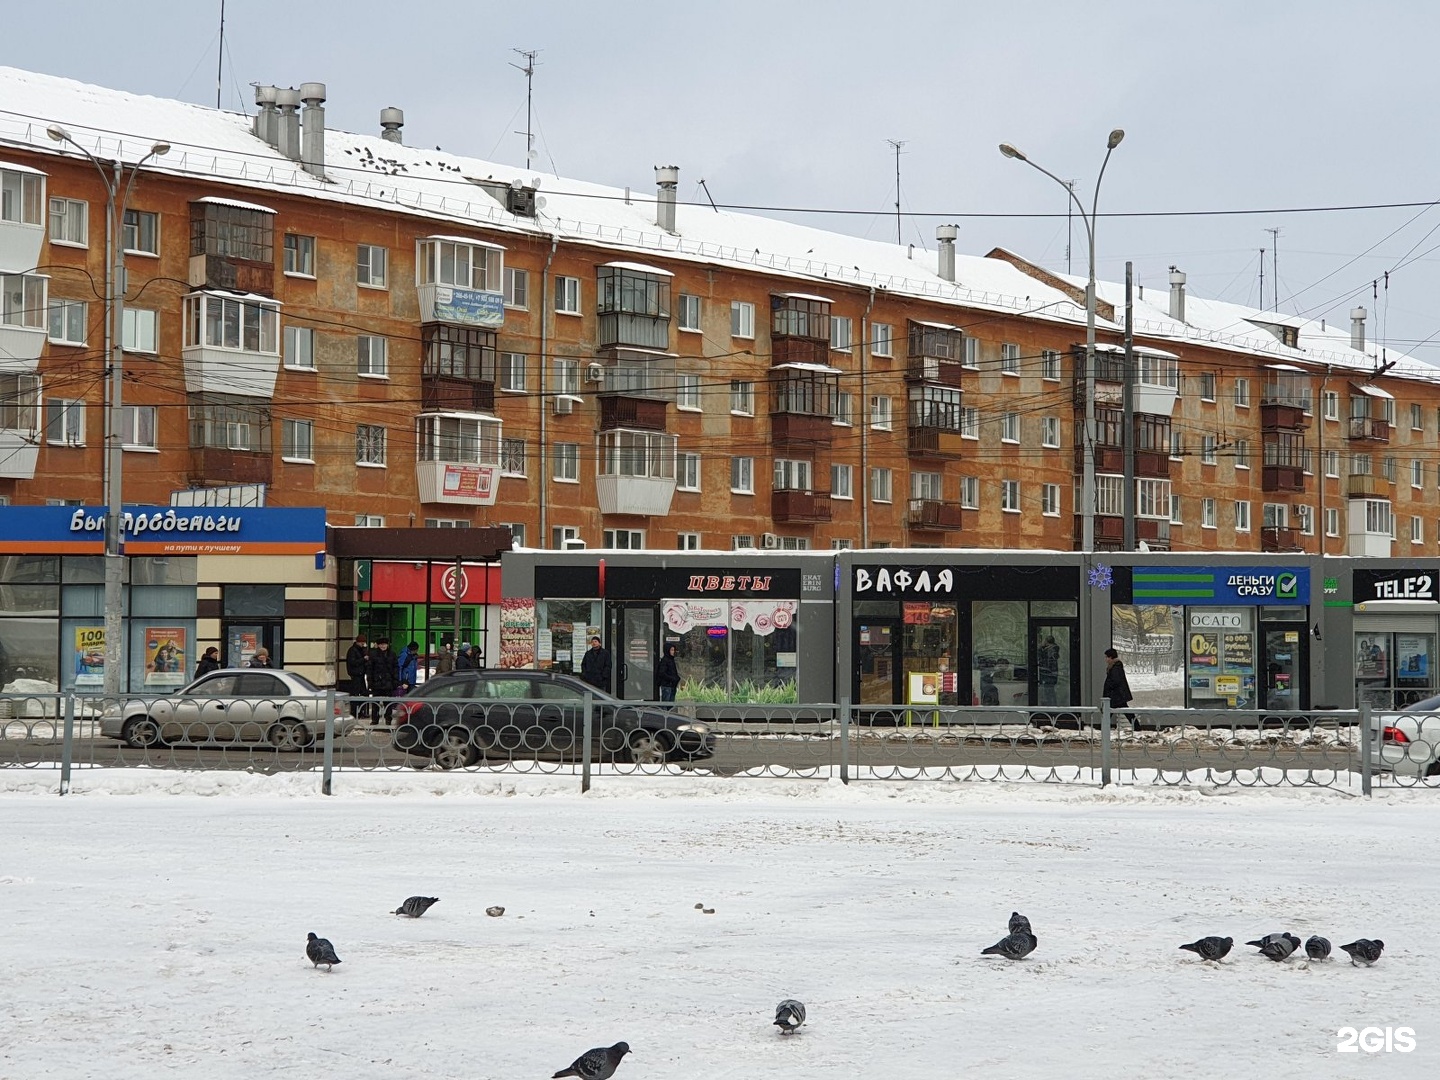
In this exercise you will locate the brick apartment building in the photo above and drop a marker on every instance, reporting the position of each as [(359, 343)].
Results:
[(406, 336)]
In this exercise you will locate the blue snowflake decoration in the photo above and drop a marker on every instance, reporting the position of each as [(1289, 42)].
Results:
[(1101, 577)]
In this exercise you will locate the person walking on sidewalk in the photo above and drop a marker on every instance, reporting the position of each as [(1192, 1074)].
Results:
[(668, 674), (1117, 688)]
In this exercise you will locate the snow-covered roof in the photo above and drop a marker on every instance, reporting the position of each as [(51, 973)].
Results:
[(806, 296), (822, 369), (15, 166), (1371, 391), (216, 200), (464, 240), (934, 325), (639, 268)]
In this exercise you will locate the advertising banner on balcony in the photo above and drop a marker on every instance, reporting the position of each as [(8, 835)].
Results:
[(470, 307), (475, 483)]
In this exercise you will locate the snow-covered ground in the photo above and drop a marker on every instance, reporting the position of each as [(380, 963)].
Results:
[(154, 925)]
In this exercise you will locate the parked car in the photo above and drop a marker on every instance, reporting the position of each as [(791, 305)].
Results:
[(1407, 741), (456, 720), (229, 706)]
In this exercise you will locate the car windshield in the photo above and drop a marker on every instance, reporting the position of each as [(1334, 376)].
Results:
[(302, 682), (1429, 704)]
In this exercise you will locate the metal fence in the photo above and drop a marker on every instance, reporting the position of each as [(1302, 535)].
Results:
[(592, 740)]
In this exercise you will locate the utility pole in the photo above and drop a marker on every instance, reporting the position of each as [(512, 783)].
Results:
[(529, 69), (220, 59), (897, 144), (1129, 434), (1274, 266)]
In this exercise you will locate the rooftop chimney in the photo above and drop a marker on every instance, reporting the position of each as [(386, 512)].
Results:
[(1357, 329), (312, 151), (266, 120), (667, 179), (1177, 294), (946, 234), (287, 100), (391, 121)]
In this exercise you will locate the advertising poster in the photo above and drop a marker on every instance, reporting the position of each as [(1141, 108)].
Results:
[(1370, 659), (165, 656), (89, 656), (924, 687), (1412, 652), (517, 632), (1204, 651), (1239, 653), (242, 644)]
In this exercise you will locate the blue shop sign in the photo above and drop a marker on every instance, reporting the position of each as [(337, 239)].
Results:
[(165, 530), (1220, 585)]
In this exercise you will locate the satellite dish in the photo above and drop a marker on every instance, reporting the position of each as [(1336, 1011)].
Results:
[(540, 202), (517, 184), (535, 183), (531, 155)]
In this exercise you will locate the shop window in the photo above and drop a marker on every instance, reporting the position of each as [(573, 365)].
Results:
[(567, 624), (1151, 640), (998, 652)]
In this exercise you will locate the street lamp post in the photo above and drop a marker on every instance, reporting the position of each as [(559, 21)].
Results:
[(1087, 479), (116, 197)]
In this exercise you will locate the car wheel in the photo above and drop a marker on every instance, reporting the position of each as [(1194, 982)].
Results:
[(289, 735), (142, 733), (649, 747), (455, 752)]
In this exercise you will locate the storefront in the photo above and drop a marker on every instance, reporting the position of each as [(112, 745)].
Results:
[(436, 604), (1214, 637), (745, 627), (1396, 620), (949, 633), (191, 581)]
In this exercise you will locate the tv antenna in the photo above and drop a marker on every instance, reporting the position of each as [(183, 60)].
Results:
[(529, 69), (1274, 265), (897, 144), (220, 59)]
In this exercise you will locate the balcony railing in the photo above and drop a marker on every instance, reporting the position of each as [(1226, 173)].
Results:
[(1282, 478), (794, 506), (1282, 416), (647, 414), (625, 329), (941, 372), (442, 393), (211, 465), (1367, 486), (1369, 429), (227, 272), (936, 440), (1280, 538), (794, 429), (1110, 532), (799, 350), (934, 514)]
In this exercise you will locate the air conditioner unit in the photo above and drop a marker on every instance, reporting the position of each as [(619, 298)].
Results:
[(594, 373), (769, 540), (564, 405)]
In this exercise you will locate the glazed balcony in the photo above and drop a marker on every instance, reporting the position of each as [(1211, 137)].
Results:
[(1368, 429), (792, 506), (932, 514), (1280, 538)]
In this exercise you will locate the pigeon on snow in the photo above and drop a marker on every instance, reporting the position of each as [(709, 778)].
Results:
[(1317, 947), (1210, 948), (1019, 924), (789, 1015), (320, 951), (1364, 951), (1276, 947), (1013, 946), (416, 906), (597, 1064)]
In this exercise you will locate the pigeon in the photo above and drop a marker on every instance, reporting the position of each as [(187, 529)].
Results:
[(789, 1015), (320, 951), (1317, 947), (597, 1064), (1364, 951), (1019, 924), (416, 906), (1210, 948), (1276, 947), (1013, 947)]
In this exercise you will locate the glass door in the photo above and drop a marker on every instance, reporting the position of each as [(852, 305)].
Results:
[(1286, 662), (633, 651), (1054, 645), (877, 675)]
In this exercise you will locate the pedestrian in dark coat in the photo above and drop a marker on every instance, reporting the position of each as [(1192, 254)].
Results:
[(357, 664), (1117, 688), (260, 659), (595, 666), (209, 662), (465, 658), (384, 673), (668, 674)]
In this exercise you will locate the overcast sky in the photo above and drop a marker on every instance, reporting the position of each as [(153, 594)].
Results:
[(1226, 106)]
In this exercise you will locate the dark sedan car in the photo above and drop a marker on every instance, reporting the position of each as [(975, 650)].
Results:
[(457, 720)]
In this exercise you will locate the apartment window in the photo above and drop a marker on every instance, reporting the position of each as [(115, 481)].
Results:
[(687, 472), (742, 475), (141, 232), (567, 295), (1417, 473), (1177, 445), (560, 533), (370, 265), (1332, 463), (841, 545), (137, 427), (1207, 513), (516, 287), (970, 492), (791, 475), (1330, 404), (67, 322), (64, 422), (882, 339), (225, 231), (1332, 521), (461, 265), (1050, 365), (70, 222), (226, 322), (687, 392), (1417, 418), (567, 377), (881, 490), (517, 532), (512, 457), (1207, 449), (742, 397), (841, 330), (1387, 468), (370, 355), (1010, 496), (299, 347), (1242, 454), (742, 543), (1305, 518), (297, 440), (880, 416), (687, 541), (1274, 515), (567, 462), (969, 422), (1010, 358), (22, 300), (970, 352), (844, 408), (369, 444), (1242, 517), (1175, 510), (370, 521), (512, 372), (929, 486), (1109, 495), (1242, 393), (742, 319), (625, 539), (1152, 499), (1050, 500), (1010, 427), (22, 196), (299, 255), (842, 481), (1417, 531)]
